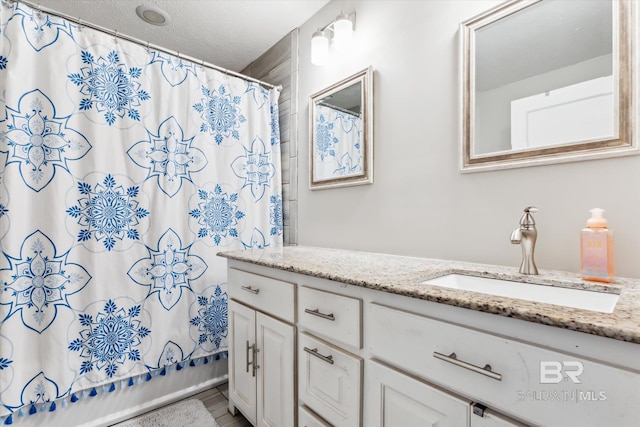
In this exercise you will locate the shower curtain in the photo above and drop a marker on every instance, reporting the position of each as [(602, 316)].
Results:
[(338, 143), (123, 171)]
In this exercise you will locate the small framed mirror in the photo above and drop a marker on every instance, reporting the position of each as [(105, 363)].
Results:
[(548, 81), (341, 133)]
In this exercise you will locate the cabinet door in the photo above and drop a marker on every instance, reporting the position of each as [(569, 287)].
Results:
[(242, 380), (493, 419), (396, 399), (276, 368), (308, 418)]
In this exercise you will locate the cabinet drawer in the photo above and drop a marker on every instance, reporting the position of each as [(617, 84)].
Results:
[(307, 418), (539, 385), (263, 293), (330, 315), (330, 381)]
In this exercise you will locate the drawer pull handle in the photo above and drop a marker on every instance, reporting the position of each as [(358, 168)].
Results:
[(314, 351), (452, 358), (254, 354), (255, 359), (250, 289), (249, 347), (316, 312)]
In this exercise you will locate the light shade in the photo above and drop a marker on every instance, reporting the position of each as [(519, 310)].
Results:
[(342, 32), (319, 48)]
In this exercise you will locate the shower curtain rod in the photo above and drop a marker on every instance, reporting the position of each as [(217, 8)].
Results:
[(335, 107), (146, 44)]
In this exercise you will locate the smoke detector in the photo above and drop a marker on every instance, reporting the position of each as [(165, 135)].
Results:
[(152, 14)]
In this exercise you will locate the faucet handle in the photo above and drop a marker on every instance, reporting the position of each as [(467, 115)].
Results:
[(527, 219)]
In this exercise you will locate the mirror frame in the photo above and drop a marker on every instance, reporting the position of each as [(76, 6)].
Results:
[(365, 77), (626, 85)]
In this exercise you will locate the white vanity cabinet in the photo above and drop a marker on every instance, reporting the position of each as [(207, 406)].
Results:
[(369, 358), (262, 349), (537, 384), (400, 338)]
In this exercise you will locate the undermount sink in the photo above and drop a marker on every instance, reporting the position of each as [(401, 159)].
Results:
[(577, 298)]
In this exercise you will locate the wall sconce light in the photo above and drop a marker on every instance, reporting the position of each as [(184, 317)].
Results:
[(342, 31), (319, 48)]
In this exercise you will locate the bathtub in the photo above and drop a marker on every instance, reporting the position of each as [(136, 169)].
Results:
[(125, 402)]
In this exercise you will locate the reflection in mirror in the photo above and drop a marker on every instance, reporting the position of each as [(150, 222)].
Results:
[(547, 81), (341, 137)]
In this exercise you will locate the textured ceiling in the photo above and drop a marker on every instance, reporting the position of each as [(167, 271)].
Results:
[(543, 37), (227, 33)]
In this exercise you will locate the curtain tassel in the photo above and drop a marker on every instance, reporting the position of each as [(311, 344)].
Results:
[(131, 383), (93, 392), (74, 398), (192, 363), (112, 388), (64, 403), (52, 407), (33, 410), (9, 419), (149, 377), (163, 372), (178, 366)]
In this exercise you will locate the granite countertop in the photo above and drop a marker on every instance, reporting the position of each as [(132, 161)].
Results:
[(402, 275)]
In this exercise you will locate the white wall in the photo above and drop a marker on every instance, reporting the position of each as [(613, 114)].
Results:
[(493, 107), (420, 204)]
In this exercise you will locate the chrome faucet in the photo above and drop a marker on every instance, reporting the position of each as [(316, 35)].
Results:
[(526, 235)]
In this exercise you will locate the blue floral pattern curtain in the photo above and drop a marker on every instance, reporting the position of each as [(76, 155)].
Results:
[(123, 171), (338, 150)]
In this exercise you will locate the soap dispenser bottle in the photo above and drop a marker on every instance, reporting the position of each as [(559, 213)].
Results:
[(597, 249)]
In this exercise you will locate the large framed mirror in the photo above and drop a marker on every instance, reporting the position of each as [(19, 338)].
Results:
[(548, 81), (341, 133)]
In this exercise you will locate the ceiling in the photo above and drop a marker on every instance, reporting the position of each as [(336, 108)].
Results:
[(542, 37), (227, 33)]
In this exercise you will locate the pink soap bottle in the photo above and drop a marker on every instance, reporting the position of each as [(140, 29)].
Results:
[(597, 254)]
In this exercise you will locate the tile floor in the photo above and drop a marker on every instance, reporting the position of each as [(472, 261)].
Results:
[(216, 401)]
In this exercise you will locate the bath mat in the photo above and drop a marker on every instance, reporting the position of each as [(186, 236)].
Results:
[(186, 413)]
